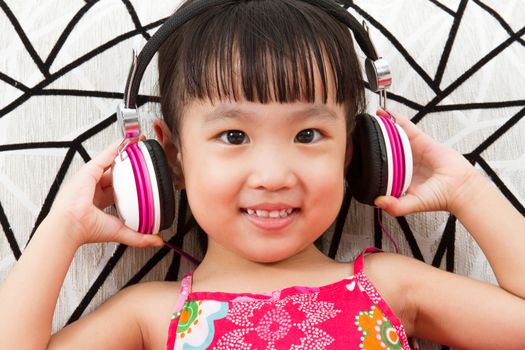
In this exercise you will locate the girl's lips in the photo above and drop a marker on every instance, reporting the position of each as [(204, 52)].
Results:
[(271, 224)]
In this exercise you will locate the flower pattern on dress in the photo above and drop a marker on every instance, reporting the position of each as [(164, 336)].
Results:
[(196, 327), (378, 332), (287, 323)]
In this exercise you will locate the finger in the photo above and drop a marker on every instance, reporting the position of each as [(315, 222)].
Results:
[(116, 231), (104, 197), (138, 240), (410, 128), (398, 206), (104, 194), (96, 167), (105, 158), (106, 180)]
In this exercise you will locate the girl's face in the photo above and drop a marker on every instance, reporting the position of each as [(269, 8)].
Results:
[(263, 180)]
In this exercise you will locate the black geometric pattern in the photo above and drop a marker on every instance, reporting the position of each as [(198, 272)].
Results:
[(436, 107)]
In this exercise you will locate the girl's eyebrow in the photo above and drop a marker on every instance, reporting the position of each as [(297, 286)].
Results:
[(228, 113), (314, 111), (321, 111)]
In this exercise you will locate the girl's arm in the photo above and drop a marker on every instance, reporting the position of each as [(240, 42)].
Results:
[(445, 180), (29, 295), (445, 307), (498, 228)]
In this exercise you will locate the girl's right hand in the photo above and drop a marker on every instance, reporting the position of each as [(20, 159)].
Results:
[(443, 179), (80, 203)]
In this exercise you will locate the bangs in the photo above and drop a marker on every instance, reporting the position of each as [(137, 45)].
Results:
[(260, 51)]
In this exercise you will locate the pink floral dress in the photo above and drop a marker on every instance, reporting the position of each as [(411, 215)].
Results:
[(348, 314)]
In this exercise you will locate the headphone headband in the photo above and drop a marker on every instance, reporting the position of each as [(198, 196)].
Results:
[(377, 69), (381, 165)]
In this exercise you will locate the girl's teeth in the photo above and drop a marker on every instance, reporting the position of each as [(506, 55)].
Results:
[(262, 213), (274, 214)]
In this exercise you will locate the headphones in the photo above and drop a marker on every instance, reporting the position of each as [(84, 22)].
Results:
[(144, 196)]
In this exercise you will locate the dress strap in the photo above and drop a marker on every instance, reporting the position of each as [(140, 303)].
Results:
[(359, 263), (185, 289)]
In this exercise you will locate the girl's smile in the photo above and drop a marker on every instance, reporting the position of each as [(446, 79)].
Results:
[(271, 217)]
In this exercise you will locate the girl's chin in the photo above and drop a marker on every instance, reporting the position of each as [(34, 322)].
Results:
[(270, 254)]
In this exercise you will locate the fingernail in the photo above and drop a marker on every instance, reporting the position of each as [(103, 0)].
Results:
[(381, 112)]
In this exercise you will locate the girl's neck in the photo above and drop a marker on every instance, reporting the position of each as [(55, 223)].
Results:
[(226, 272)]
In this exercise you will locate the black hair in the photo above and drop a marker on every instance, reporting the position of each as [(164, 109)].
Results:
[(259, 51)]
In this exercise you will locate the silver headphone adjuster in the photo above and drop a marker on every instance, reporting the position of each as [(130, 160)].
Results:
[(128, 121)]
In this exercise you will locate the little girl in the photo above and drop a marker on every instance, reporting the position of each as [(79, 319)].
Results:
[(259, 98)]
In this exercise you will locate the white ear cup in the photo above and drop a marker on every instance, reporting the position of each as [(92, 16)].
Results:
[(125, 192), (409, 166), (154, 186)]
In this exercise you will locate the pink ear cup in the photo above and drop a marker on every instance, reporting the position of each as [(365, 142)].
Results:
[(143, 188), (153, 181), (389, 137), (394, 138), (407, 151), (398, 173), (138, 184), (401, 160)]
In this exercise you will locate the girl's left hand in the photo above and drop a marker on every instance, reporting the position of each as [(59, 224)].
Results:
[(81, 201), (440, 176)]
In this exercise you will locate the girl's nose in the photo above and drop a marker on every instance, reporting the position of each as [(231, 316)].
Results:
[(272, 170)]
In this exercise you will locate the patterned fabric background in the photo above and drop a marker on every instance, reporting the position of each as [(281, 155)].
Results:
[(458, 73)]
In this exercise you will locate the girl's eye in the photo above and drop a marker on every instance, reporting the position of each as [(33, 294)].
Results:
[(234, 137), (308, 136)]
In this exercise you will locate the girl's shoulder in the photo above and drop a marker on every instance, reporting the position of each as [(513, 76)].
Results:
[(154, 287), (395, 270), (153, 303), (396, 279), (389, 269), (136, 317)]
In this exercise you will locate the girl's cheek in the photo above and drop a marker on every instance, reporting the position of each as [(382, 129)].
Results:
[(325, 182), (216, 178)]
